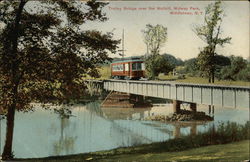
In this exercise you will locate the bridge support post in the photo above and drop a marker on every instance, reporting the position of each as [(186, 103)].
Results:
[(193, 107), (176, 106)]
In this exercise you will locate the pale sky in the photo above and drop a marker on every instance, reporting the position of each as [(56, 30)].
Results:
[(182, 41)]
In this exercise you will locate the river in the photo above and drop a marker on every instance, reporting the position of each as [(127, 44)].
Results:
[(43, 133)]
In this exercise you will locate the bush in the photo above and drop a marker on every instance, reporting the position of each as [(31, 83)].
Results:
[(238, 70), (222, 134), (244, 74)]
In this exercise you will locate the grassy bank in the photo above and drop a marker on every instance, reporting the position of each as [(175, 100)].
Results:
[(237, 151)]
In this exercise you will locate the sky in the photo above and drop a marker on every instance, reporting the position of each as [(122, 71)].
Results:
[(182, 41)]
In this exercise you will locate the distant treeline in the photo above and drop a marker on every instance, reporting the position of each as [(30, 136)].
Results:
[(226, 68)]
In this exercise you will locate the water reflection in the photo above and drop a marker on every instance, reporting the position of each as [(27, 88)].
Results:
[(65, 143), (176, 130), (92, 128), (211, 110)]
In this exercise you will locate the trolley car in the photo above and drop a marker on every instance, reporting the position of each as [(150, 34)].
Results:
[(131, 68)]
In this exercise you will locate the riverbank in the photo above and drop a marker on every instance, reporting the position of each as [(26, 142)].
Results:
[(237, 151)]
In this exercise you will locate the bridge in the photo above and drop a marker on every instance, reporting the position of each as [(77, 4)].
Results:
[(215, 95)]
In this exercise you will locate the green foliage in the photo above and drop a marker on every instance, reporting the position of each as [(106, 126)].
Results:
[(190, 67), (210, 31), (226, 68), (205, 62), (173, 60), (93, 89), (237, 70), (220, 62), (51, 54), (209, 64), (154, 37), (223, 133), (233, 68), (156, 64), (244, 74), (210, 34), (44, 53)]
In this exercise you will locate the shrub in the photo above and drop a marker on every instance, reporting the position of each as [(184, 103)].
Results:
[(222, 134)]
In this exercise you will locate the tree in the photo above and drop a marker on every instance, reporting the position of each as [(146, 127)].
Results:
[(237, 70), (44, 54), (244, 74), (210, 33), (154, 38), (191, 67), (156, 64), (164, 64), (173, 60), (220, 62)]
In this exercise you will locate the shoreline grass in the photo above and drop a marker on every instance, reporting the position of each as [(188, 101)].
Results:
[(236, 151)]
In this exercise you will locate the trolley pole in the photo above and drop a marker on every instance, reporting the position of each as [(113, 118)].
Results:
[(122, 44)]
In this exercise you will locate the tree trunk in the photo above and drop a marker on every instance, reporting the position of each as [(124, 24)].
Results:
[(7, 152), (213, 77), (212, 73)]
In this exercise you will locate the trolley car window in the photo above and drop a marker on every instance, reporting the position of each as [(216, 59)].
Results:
[(118, 67), (134, 66), (137, 66)]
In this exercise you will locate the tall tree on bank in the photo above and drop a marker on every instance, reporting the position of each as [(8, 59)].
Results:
[(210, 33), (44, 54), (154, 38)]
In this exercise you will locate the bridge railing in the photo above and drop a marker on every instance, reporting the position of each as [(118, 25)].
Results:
[(220, 95)]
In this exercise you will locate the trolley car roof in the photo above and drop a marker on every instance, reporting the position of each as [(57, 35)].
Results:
[(128, 60)]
